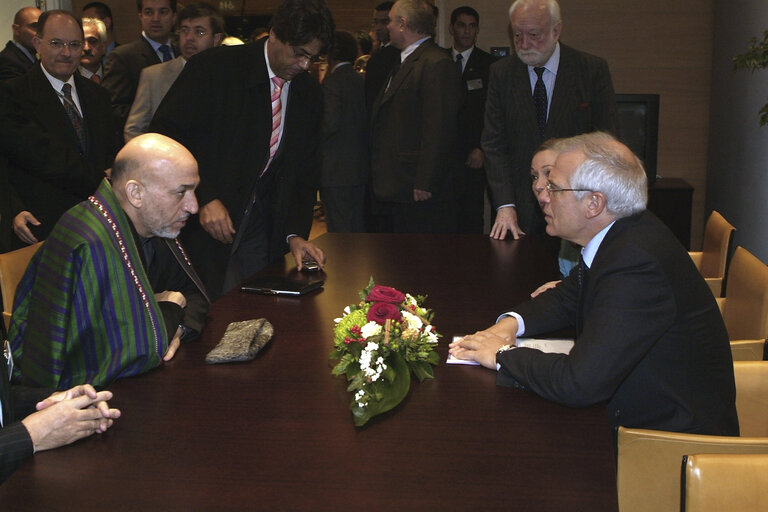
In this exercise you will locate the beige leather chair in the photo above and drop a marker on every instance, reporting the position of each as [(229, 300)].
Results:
[(649, 461), (745, 306), (752, 397), (711, 260), (747, 350), (720, 482), (12, 267)]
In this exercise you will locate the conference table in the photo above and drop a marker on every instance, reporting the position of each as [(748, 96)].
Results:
[(276, 433)]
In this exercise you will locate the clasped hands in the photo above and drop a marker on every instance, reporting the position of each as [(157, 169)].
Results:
[(482, 346), (66, 416)]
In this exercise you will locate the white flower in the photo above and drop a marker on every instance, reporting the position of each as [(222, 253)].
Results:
[(366, 356), (413, 321), (431, 336), (336, 320), (370, 329), (347, 310)]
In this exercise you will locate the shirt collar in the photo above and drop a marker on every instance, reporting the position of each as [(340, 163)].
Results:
[(411, 48), (55, 82), (156, 45), (464, 55), (25, 51), (590, 250), (553, 63)]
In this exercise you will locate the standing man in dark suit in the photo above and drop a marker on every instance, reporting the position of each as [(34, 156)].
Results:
[(573, 95), (251, 116), (383, 59), (474, 65), (650, 340), (345, 140), (124, 64), (101, 11), (414, 129), (56, 130), (19, 54)]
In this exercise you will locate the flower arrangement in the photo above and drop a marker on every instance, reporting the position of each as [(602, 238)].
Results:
[(379, 343)]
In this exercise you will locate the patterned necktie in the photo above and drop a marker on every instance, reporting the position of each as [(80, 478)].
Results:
[(95, 78), (277, 115), (459, 63), (540, 101), (74, 117), (166, 51)]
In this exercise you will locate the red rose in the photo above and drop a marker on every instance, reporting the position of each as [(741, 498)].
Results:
[(385, 294), (380, 312)]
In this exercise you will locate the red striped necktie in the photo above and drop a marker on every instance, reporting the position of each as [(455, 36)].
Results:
[(277, 114)]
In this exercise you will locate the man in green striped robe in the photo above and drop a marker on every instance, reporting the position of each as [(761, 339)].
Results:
[(111, 292)]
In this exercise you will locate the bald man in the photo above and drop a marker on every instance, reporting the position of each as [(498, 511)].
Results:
[(18, 56), (111, 293)]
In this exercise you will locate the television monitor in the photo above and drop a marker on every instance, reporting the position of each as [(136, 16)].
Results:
[(639, 128)]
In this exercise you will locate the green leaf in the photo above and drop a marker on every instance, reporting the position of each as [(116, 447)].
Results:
[(391, 393), (422, 370)]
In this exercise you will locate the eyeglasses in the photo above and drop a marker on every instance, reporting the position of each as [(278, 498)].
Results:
[(199, 32), (551, 187), (60, 45)]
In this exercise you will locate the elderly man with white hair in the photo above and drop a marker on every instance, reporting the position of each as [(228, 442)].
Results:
[(650, 341)]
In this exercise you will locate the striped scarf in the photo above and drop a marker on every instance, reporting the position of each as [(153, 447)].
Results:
[(84, 310)]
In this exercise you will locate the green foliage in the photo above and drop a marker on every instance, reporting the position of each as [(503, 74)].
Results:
[(387, 393), (754, 59)]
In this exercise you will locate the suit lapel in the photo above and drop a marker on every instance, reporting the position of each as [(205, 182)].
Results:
[(48, 108), (523, 95), (564, 83)]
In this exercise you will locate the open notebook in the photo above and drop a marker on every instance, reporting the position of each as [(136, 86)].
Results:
[(554, 346)]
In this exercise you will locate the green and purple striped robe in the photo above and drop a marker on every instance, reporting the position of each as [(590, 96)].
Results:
[(85, 311)]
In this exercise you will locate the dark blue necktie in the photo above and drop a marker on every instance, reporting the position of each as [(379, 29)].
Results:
[(459, 59), (540, 102), (166, 51)]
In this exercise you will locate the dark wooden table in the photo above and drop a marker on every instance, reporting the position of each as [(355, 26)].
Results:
[(276, 433)]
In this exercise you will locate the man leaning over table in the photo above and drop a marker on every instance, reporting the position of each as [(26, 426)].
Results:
[(111, 292), (649, 337)]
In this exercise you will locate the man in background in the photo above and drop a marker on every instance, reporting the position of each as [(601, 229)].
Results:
[(124, 64), (251, 115), (414, 130), (473, 65), (18, 56), (56, 130), (94, 45), (200, 27), (345, 139), (545, 90), (383, 59), (100, 10)]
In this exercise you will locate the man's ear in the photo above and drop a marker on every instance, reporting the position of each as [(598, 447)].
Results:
[(596, 204), (134, 192)]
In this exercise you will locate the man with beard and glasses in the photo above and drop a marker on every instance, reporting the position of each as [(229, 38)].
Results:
[(545, 90), (111, 293), (200, 27)]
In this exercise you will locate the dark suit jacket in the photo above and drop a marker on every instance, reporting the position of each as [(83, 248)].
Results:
[(17, 403), (653, 343), (13, 62), (228, 133), (377, 70), (582, 101), (122, 71), (46, 165), (474, 81), (345, 129), (414, 128)]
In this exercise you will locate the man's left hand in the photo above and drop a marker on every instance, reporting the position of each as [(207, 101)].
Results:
[(475, 159), (302, 250), (421, 195), (480, 347)]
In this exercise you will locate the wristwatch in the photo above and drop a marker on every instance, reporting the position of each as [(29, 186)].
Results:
[(504, 348)]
